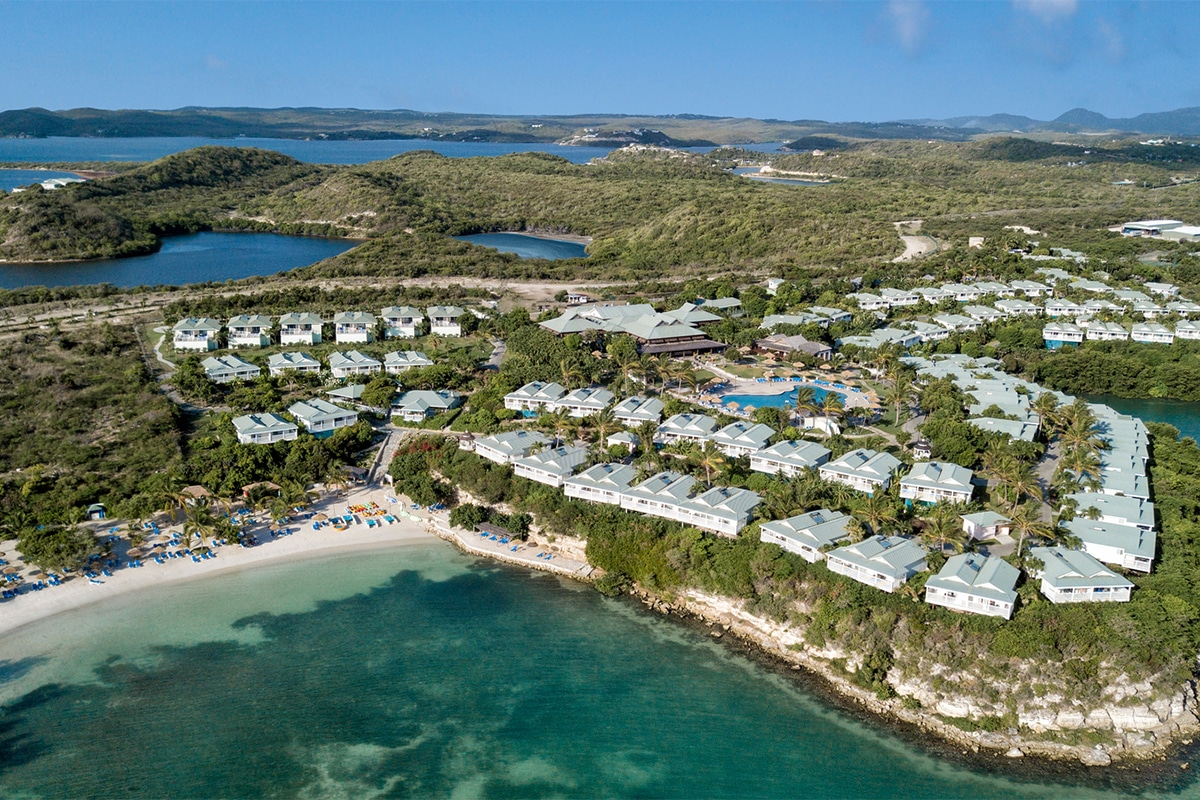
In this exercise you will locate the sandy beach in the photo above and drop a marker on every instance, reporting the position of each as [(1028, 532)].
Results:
[(304, 543)]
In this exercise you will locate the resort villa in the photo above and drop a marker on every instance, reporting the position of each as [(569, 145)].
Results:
[(584, 402), (300, 328), (193, 333), (264, 429), (807, 535), (279, 363), (885, 563), (444, 320), (404, 360), (789, 458), (353, 327), (352, 362), (936, 481), (1110, 543), (687, 428), (417, 405), (742, 438), (551, 465), (227, 369), (986, 525), (976, 584), (401, 322), (862, 469), (249, 330), (320, 417), (636, 410), (603, 483), (1072, 576), (509, 446), (722, 509), (535, 396)]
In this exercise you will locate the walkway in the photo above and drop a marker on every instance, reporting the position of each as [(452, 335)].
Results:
[(499, 348), (513, 552)]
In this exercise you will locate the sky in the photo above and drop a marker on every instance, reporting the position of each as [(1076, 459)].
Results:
[(835, 61)]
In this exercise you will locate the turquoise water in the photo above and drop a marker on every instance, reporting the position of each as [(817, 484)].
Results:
[(771, 400), (196, 258), (63, 148), (12, 178), (1182, 414), (527, 246), (422, 672)]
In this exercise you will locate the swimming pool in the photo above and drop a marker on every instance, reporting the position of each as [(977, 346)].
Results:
[(787, 397)]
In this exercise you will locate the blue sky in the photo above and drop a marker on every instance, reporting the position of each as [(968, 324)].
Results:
[(836, 61)]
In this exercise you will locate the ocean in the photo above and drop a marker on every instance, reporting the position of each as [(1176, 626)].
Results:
[(420, 671)]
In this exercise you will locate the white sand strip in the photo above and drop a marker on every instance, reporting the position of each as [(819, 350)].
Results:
[(305, 543)]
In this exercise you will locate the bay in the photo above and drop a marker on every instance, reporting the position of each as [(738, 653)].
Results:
[(318, 151), (423, 672), (181, 260), (71, 149), (527, 246)]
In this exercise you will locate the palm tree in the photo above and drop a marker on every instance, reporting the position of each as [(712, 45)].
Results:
[(855, 530), (200, 522), (877, 510), (710, 457), (570, 373), (603, 423), (806, 400), (1045, 405), (1026, 523), (627, 364), (645, 433), (943, 526)]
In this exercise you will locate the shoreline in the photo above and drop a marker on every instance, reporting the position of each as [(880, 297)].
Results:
[(305, 544), (761, 638), (769, 640), (571, 238)]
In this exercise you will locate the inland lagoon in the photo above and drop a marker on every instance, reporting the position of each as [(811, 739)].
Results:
[(526, 246), (196, 258)]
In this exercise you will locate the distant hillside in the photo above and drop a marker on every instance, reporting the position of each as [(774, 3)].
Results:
[(601, 129), (1180, 122)]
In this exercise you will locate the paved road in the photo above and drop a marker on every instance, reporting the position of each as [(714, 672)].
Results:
[(499, 348)]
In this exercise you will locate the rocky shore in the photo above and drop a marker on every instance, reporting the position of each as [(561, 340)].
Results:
[(1156, 731)]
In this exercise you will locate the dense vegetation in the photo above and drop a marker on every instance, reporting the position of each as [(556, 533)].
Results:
[(83, 422), (646, 212)]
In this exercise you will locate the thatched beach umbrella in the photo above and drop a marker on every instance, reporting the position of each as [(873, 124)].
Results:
[(321, 518), (13, 570)]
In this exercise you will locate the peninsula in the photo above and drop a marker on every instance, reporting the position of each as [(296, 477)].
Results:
[(877, 469)]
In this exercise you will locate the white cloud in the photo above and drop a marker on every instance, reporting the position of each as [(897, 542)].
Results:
[(910, 21), (1112, 41), (1048, 11)]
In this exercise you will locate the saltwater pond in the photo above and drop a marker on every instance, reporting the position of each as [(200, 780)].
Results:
[(421, 672), (196, 258), (753, 174), (527, 246)]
